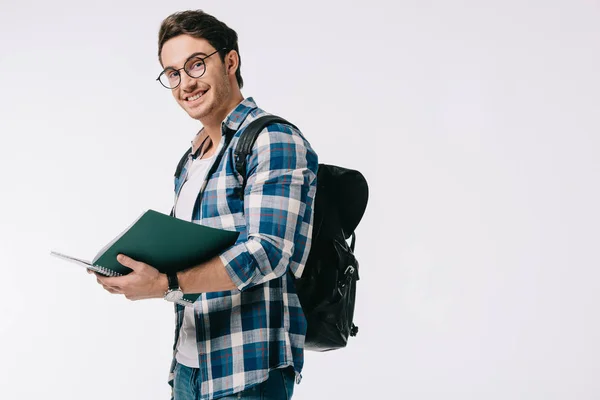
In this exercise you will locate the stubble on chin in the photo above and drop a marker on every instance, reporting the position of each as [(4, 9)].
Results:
[(217, 98), (198, 112)]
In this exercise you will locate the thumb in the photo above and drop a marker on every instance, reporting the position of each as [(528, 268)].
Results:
[(128, 261)]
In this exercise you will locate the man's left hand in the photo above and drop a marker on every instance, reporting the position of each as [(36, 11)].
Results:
[(144, 282)]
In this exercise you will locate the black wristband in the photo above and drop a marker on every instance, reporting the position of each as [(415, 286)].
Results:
[(173, 281)]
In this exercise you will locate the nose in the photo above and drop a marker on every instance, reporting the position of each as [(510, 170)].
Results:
[(187, 83)]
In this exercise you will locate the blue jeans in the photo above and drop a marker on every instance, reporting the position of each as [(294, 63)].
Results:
[(279, 385)]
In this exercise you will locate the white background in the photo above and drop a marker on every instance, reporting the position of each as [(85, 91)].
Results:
[(475, 122)]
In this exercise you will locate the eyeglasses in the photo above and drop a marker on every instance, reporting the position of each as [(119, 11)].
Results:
[(195, 67)]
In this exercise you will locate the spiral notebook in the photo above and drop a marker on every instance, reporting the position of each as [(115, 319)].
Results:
[(167, 243)]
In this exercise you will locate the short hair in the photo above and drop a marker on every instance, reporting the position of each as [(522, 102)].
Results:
[(201, 25)]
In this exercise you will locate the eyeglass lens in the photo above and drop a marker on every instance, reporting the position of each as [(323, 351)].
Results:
[(194, 67)]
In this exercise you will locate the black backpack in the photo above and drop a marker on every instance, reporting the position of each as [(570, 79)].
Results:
[(327, 287)]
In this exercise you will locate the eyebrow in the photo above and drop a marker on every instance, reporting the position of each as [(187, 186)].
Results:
[(198, 53)]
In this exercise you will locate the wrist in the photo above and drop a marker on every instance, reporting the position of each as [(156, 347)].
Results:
[(179, 279), (163, 284)]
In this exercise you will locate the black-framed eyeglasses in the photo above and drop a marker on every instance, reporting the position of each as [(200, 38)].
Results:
[(194, 66)]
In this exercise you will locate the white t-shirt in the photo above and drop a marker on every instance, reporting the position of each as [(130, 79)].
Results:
[(187, 350)]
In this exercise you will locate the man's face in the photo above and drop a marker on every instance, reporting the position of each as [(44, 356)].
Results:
[(213, 86)]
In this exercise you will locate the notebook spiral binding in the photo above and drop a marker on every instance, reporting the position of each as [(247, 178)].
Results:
[(105, 271)]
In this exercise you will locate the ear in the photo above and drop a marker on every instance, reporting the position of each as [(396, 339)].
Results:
[(232, 62)]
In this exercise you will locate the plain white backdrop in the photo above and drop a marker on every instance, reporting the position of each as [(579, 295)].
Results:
[(475, 122)]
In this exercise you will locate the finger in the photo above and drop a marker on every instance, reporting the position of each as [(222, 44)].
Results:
[(108, 284), (98, 274), (115, 281), (111, 289), (128, 262)]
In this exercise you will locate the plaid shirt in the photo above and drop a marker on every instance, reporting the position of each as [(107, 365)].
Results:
[(244, 333)]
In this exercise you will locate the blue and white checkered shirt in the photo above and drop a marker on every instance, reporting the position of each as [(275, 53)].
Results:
[(244, 333)]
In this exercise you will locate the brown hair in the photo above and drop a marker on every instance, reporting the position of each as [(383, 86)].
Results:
[(201, 25)]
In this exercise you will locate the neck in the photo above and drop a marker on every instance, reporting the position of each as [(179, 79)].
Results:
[(212, 124)]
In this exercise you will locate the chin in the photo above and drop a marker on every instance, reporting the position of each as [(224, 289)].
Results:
[(202, 111), (196, 112), (199, 113)]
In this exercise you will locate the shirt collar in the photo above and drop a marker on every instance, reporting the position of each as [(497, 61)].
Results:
[(237, 116), (234, 119)]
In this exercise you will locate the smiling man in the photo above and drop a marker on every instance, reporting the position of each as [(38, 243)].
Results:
[(244, 336)]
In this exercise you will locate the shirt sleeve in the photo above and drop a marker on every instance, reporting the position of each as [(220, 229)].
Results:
[(280, 190)]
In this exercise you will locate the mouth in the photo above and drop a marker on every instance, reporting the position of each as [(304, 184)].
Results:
[(196, 97)]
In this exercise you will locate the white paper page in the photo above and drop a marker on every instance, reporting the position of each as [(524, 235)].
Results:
[(85, 264)]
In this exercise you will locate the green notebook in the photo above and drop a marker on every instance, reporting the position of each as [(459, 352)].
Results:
[(167, 243)]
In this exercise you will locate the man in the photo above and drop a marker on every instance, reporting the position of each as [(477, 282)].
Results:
[(244, 336)]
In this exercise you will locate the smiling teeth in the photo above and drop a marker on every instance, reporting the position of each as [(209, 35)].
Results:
[(196, 97)]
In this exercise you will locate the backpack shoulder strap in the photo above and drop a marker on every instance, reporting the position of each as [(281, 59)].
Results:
[(247, 140), (229, 133), (178, 172), (182, 162)]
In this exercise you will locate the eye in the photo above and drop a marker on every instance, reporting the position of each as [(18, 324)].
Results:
[(172, 74), (196, 65)]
